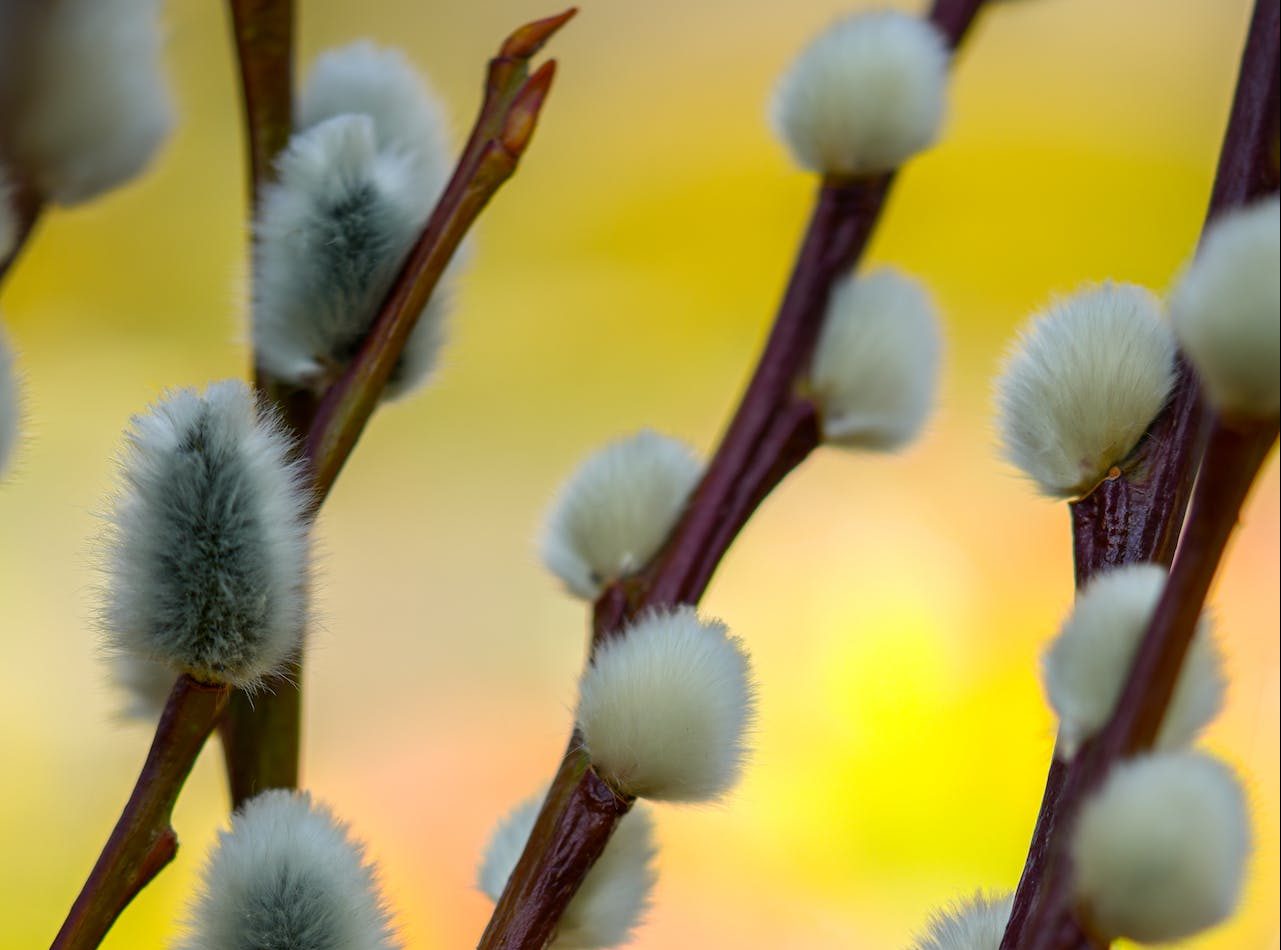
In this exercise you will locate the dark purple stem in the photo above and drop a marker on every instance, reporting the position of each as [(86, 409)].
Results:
[(1137, 517), (771, 433), (142, 842)]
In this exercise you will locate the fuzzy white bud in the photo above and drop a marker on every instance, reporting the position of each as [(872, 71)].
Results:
[(975, 924), (617, 509), (1226, 311), (332, 234), (288, 874), (1159, 850), (1086, 666), (10, 407), (87, 100), (876, 365), (865, 95), (207, 557), (408, 116), (665, 708), (1082, 385), (614, 895)]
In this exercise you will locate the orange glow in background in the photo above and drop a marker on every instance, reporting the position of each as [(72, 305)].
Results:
[(895, 606)]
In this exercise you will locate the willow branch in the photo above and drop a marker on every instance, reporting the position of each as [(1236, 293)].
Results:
[(26, 205), (264, 35), (1233, 457), (772, 431), (1137, 517), (262, 740), (143, 841)]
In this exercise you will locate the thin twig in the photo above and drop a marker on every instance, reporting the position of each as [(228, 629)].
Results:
[(143, 841), (262, 740), (264, 35), (772, 431), (26, 206), (1137, 517)]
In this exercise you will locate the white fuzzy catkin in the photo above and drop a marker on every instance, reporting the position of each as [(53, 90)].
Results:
[(1225, 310), (1086, 666), (665, 707), (408, 116), (288, 875), (865, 95), (1159, 851), (207, 556), (876, 365), (614, 895), (87, 99), (616, 510), (10, 407), (974, 924), (1082, 384)]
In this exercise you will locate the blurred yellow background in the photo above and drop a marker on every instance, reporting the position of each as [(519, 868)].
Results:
[(895, 606)]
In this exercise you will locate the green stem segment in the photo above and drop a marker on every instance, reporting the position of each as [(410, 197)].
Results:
[(143, 841), (773, 430)]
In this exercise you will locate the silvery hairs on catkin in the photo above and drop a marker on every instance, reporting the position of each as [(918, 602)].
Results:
[(207, 554)]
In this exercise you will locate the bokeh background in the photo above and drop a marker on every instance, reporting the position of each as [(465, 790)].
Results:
[(895, 606)]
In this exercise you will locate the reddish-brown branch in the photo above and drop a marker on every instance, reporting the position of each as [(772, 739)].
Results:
[(772, 431), (586, 812), (264, 35), (844, 215), (1233, 457), (262, 739), (1137, 517), (143, 842)]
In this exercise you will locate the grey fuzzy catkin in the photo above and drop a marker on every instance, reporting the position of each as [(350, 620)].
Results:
[(207, 556), (331, 237), (288, 876)]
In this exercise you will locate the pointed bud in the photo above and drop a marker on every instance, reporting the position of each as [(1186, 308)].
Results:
[(1225, 311), (1081, 386), (665, 708), (332, 234), (1159, 850), (865, 95), (614, 896), (287, 874), (90, 104), (617, 509), (876, 364), (10, 407), (1086, 666), (975, 924), (207, 557)]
